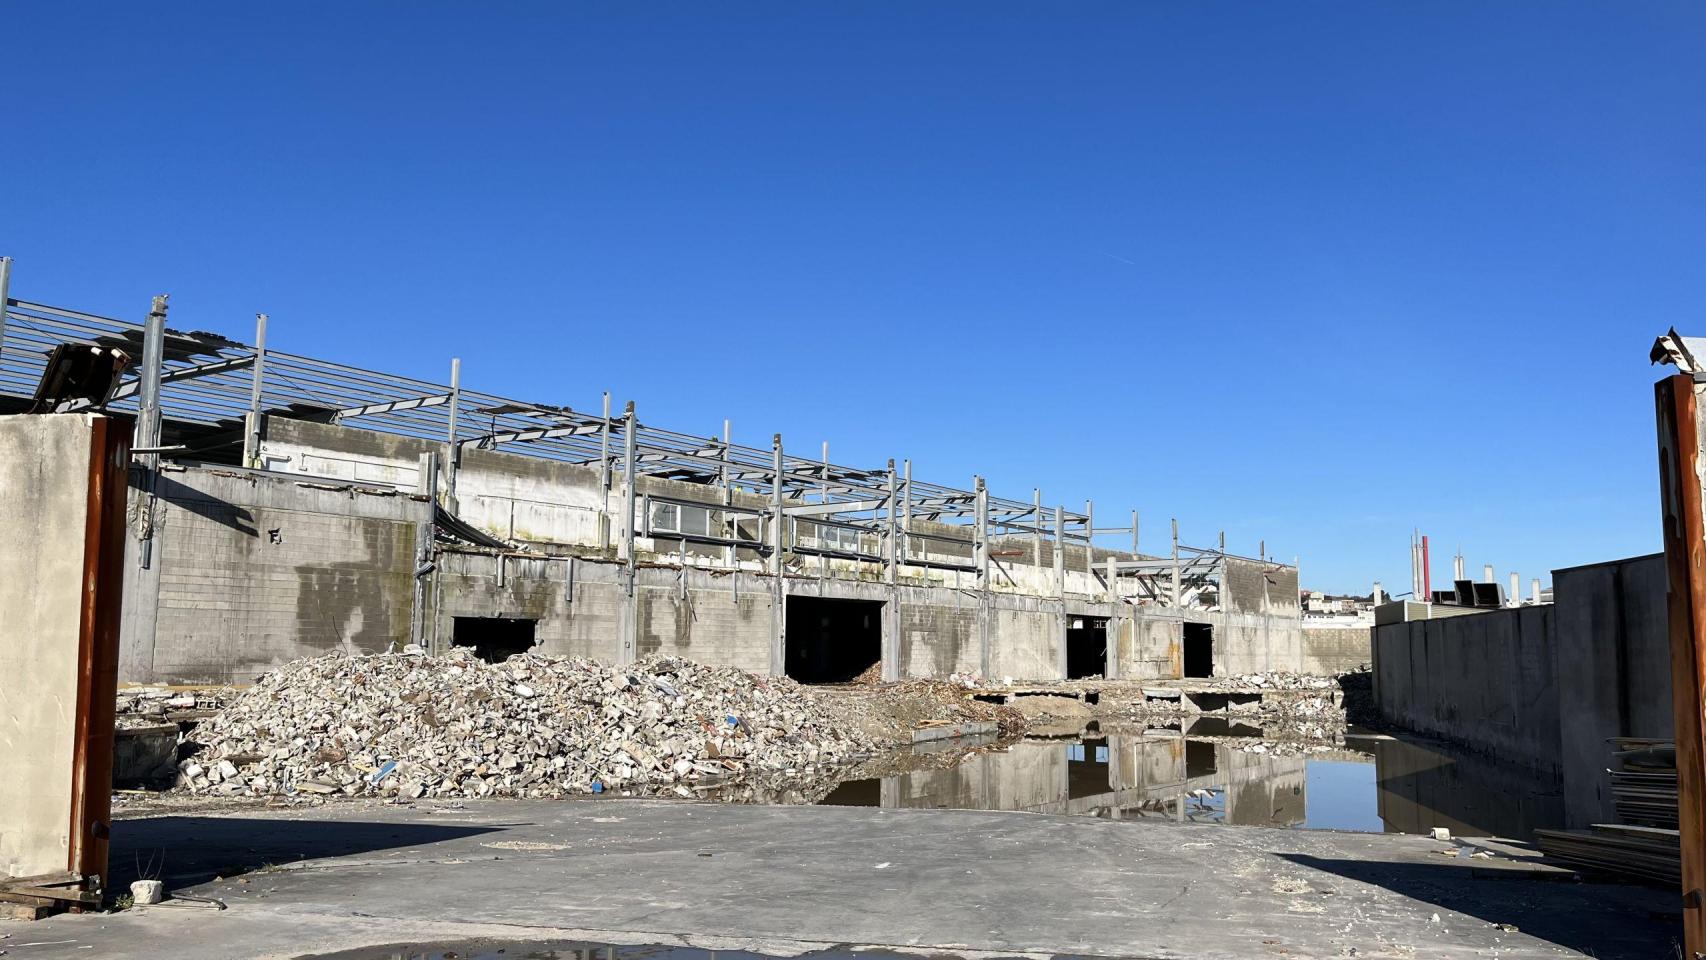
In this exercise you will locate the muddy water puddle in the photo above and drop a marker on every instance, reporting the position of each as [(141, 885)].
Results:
[(1212, 771)]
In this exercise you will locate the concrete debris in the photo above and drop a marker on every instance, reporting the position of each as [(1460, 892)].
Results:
[(410, 726), (1276, 681)]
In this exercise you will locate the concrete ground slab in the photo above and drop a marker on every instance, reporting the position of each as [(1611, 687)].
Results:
[(786, 879)]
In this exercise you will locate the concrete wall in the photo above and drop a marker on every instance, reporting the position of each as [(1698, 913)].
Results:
[(1331, 651), (1544, 686), (248, 569), (1488, 680), (44, 492), (1613, 672)]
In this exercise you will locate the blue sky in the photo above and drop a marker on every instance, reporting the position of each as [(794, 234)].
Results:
[(1314, 273)]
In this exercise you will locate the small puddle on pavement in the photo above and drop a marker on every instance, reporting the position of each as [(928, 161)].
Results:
[(1214, 770), (559, 950)]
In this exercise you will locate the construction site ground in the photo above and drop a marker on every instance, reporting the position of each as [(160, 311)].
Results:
[(784, 879)]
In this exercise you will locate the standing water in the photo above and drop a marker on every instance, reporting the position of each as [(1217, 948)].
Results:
[(1222, 773)]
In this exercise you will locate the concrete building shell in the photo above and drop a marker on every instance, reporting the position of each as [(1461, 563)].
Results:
[(314, 507)]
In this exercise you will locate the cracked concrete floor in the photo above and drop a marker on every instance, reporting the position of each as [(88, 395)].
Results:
[(785, 879)]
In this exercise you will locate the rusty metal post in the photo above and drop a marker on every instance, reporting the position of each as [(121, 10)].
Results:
[(98, 639), (1679, 427)]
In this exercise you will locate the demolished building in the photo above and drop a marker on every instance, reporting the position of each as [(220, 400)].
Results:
[(284, 506)]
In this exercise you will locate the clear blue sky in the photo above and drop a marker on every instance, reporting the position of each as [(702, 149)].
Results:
[(1315, 273)]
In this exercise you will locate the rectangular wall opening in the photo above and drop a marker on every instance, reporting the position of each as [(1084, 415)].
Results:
[(832, 640), (1086, 647), (494, 639), (1199, 650)]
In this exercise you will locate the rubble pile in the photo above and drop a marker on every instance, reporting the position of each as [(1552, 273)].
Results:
[(1276, 681), (153, 705), (533, 726)]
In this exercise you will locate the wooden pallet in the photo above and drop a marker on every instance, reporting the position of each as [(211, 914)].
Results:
[(31, 898)]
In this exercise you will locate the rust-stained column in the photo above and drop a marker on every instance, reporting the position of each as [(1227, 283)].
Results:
[(1685, 563)]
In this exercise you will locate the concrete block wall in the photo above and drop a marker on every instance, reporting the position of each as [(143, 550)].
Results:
[(1330, 651), (246, 571)]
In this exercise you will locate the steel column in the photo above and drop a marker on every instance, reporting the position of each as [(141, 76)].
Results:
[(779, 597), (1178, 596), (257, 375), (5, 287), (453, 458)]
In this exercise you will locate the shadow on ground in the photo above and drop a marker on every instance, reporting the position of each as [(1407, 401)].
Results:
[(1607, 921), (185, 851)]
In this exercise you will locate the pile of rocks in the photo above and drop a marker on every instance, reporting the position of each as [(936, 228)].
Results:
[(533, 726)]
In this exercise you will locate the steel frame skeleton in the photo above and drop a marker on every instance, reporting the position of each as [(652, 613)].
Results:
[(214, 393)]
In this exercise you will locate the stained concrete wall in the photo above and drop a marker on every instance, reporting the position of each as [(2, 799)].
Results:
[(247, 570), (252, 568), (1613, 672), (44, 490), (1488, 680), (1543, 686), (1331, 651)]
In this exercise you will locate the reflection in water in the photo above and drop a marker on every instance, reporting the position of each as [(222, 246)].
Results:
[(1425, 784), (1215, 773)]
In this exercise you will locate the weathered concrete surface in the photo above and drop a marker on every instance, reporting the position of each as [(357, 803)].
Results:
[(1333, 650), (44, 498), (1613, 638), (1488, 681), (627, 871), (1543, 686)]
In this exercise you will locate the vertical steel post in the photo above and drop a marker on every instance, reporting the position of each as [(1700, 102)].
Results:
[(453, 457), (1060, 553), (604, 476), (823, 497), (1178, 595), (257, 375), (5, 296), (985, 656), (893, 530), (604, 445), (1134, 534), (1037, 527), (729, 555), (148, 422), (153, 353), (906, 511), (1090, 539), (779, 596), (630, 489)]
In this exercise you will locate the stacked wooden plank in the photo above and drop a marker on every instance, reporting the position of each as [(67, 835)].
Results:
[(31, 898), (1643, 782), (1644, 843), (1650, 853)]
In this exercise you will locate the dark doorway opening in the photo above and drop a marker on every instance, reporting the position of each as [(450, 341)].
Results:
[(1199, 758), (1199, 650), (832, 640), (493, 639), (1086, 647)]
